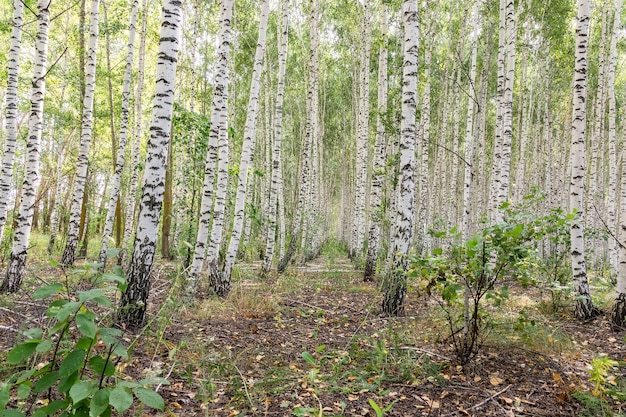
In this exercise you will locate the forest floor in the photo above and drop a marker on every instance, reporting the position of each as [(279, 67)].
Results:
[(312, 342)]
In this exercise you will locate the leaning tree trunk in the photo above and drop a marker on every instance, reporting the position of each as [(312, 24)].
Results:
[(276, 151), (247, 149), (32, 176), (378, 173), (11, 111), (85, 139), (135, 298), (129, 215), (584, 307), (219, 121), (395, 281), (116, 182)]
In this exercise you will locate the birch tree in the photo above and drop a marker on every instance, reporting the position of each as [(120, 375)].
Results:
[(219, 122), (247, 148), (6, 173), (123, 135), (32, 175), (378, 172), (277, 176), (584, 307), (135, 298), (395, 281), (69, 253)]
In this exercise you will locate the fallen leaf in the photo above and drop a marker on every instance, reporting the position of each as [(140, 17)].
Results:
[(495, 381)]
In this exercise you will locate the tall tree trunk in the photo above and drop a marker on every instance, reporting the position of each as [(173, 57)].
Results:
[(116, 182), (247, 149), (395, 281), (218, 122), (166, 226), (135, 298), (32, 176), (378, 172), (134, 179), (277, 177), (85, 139), (584, 307), (6, 173)]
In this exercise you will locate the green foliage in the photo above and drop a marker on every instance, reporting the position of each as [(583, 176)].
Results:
[(71, 364)]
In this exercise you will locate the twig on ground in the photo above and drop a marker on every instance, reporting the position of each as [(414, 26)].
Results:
[(291, 300), (485, 401)]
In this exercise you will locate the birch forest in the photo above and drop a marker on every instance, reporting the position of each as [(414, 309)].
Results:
[(312, 208)]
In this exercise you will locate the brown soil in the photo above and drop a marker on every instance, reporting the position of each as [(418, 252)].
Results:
[(248, 359)]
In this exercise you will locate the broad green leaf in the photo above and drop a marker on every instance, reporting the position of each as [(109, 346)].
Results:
[(21, 352), (101, 366), (99, 402), (4, 395), (84, 296), (23, 390), (121, 399), (44, 346), (54, 406), (149, 398), (46, 291), (11, 413), (73, 362), (80, 391), (34, 333), (46, 382), (308, 358), (67, 382), (67, 310), (87, 327)]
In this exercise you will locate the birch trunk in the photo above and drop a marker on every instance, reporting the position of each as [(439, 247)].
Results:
[(121, 147), (276, 188), (395, 285), (6, 172), (85, 139), (219, 122), (134, 299), (129, 215), (584, 308), (378, 174), (32, 176), (247, 149)]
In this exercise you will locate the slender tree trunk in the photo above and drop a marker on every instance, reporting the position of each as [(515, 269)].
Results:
[(218, 122), (166, 226), (395, 282), (116, 182), (85, 139), (584, 308), (247, 149), (378, 173), (134, 179), (135, 298), (6, 173), (32, 176)]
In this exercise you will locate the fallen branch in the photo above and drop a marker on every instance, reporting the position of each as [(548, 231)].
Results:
[(480, 404)]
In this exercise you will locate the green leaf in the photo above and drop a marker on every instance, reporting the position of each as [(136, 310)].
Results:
[(34, 333), (4, 395), (99, 402), (46, 382), (23, 390), (113, 278), (11, 413), (85, 323), (437, 251), (67, 310), (375, 407), (80, 391), (67, 382), (149, 398), (73, 362), (54, 406), (101, 366), (44, 346), (46, 291), (308, 358), (121, 399), (21, 352), (84, 296)]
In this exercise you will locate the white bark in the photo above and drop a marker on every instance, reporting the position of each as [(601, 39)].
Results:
[(247, 149), (6, 173), (121, 148), (584, 307), (277, 177), (85, 139), (395, 285), (378, 174), (134, 299), (219, 122), (32, 177)]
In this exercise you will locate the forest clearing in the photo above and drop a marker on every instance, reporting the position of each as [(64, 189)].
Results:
[(312, 208)]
